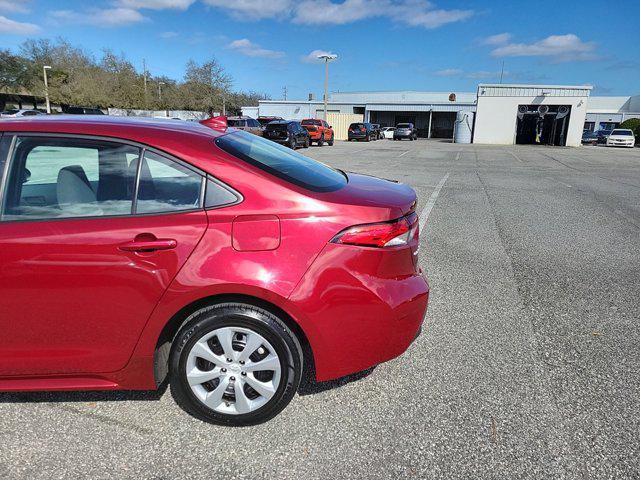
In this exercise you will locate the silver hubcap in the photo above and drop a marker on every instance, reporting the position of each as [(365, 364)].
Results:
[(233, 370)]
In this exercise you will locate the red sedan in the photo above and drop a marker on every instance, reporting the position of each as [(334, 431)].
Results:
[(134, 251)]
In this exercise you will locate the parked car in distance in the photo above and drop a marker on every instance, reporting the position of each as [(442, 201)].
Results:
[(319, 131), (377, 130), (83, 111), (13, 113), (287, 132), (602, 135), (589, 138), (361, 131), (387, 132), (247, 124), (621, 137), (263, 120), (211, 258), (405, 130)]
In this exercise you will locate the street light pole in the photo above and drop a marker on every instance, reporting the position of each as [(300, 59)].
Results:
[(46, 87), (327, 57), (160, 91)]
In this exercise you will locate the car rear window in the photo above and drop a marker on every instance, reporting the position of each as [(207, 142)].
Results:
[(276, 126), (282, 162), (622, 132), (356, 125), (404, 125)]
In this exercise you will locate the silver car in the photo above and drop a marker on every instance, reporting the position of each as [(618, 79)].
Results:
[(20, 113)]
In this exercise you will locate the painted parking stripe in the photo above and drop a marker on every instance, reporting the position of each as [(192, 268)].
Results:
[(403, 154), (424, 215)]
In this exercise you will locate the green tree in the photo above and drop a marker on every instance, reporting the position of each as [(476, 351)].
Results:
[(633, 124), (14, 71), (205, 86)]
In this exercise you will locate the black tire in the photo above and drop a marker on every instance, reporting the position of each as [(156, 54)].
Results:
[(307, 142), (292, 144), (330, 142), (321, 140), (269, 326), (368, 139)]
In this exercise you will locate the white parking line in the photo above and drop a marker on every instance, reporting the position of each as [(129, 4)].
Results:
[(403, 153), (516, 157), (424, 215)]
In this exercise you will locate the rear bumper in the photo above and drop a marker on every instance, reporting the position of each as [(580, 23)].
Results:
[(402, 135), (314, 135), (358, 311)]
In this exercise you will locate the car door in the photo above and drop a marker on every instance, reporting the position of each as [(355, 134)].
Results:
[(92, 231)]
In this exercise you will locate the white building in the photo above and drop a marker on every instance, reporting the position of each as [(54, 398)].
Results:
[(504, 114)]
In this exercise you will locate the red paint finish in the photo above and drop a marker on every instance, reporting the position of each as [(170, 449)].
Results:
[(83, 302), (254, 233), (318, 129)]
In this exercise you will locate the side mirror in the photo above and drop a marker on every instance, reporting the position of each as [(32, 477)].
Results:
[(330, 127)]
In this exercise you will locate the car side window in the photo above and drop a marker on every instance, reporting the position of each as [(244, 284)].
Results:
[(167, 186), (55, 177)]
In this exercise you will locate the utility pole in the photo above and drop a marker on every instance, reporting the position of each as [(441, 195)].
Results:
[(327, 57), (502, 71), (284, 93), (46, 87)]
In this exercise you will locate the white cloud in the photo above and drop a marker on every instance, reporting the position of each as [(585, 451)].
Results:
[(14, 6), (100, 17), (449, 72), (17, 28), (421, 13), (560, 48), (156, 4), (312, 57), (414, 13), (246, 47), (253, 9), (498, 39), (325, 12)]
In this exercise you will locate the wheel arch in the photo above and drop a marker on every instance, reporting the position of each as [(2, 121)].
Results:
[(177, 321)]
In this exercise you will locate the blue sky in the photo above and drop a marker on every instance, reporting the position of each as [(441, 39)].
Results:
[(433, 45)]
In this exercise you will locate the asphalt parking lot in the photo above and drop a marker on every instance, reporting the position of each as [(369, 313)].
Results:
[(528, 365)]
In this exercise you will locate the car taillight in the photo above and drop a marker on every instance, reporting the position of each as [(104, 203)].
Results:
[(380, 235)]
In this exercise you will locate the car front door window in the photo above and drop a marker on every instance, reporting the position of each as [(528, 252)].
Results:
[(54, 178)]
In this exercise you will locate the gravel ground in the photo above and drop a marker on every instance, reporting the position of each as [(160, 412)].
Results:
[(527, 366)]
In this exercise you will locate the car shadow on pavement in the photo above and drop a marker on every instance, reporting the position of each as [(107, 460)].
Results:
[(310, 386), (93, 396)]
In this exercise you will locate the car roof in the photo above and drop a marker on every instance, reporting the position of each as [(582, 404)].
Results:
[(104, 125)]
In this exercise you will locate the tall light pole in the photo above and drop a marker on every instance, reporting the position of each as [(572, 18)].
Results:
[(46, 87), (327, 57), (160, 91)]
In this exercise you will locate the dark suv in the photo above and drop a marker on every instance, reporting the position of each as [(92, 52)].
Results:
[(288, 133), (362, 131), (405, 130), (83, 111)]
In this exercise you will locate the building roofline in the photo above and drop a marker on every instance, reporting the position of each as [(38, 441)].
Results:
[(522, 85)]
